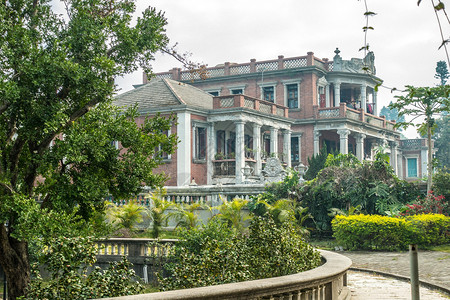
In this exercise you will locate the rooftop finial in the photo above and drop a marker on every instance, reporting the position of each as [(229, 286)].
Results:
[(337, 51)]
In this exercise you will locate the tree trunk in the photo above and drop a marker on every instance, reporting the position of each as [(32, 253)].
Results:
[(15, 264), (430, 160)]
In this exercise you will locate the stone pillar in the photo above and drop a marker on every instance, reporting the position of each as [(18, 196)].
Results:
[(211, 148), (327, 95), (343, 136), (184, 156), (240, 151), (287, 147), (363, 97), (337, 94), (257, 148), (424, 164), (316, 141), (375, 105), (393, 156), (360, 146), (274, 142), (399, 164)]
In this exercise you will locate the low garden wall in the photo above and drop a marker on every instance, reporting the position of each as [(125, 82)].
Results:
[(327, 282)]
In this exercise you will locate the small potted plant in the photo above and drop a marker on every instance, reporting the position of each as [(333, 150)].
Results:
[(219, 156)]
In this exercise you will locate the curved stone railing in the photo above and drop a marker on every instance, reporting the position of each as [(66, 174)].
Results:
[(327, 282)]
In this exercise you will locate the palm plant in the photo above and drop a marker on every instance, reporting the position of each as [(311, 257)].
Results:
[(125, 216), (185, 215), (232, 213), (158, 210)]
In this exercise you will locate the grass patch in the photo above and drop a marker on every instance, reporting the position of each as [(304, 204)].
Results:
[(324, 244), (442, 248)]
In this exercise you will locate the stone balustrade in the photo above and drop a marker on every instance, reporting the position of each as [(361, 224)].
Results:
[(233, 101), (327, 282), (210, 194), (354, 114)]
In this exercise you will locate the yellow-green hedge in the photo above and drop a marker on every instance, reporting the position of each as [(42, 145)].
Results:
[(367, 232)]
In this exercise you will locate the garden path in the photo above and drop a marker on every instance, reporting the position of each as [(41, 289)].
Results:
[(434, 268)]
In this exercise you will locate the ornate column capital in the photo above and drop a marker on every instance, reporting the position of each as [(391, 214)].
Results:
[(317, 134), (343, 133)]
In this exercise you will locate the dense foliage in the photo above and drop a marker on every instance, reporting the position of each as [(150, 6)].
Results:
[(370, 232), (346, 183), (67, 261), (57, 126), (442, 141), (216, 253)]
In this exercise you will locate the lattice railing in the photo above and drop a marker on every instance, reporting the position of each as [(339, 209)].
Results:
[(280, 111), (413, 143), (249, 103), (216, 72), (265, 108), (240, 69), (267, 66), (227, 102), (188, 75), (352, 115), (295, 63), (329, 113), (164, 75)]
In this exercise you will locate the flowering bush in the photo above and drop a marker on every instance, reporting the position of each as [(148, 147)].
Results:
[(431, 204)]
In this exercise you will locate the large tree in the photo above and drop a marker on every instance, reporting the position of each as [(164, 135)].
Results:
[(423, 104), (442, 142), (57, 126)]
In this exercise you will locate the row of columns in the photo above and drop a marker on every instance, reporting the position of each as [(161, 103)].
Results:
[(360, 138), (337, 96), (240, 148)]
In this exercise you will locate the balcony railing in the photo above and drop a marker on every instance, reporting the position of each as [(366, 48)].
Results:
[(223, 102), (344, 112), (230, 69), (227, 167), (413, 144)]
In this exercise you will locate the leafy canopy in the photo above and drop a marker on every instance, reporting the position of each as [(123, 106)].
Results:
[(63, 143)]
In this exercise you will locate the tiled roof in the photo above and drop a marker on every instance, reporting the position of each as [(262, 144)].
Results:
[(164, 93)]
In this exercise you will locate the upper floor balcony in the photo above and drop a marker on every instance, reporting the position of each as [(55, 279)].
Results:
[(354, 114), (233, 101)]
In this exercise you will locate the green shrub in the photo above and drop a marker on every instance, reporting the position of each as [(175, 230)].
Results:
[(217, 254), (429, 229), (67, 260), (368, 232)]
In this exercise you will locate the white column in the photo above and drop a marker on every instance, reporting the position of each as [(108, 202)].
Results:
[(393, 157), (424, 160), (327, 95), (240, 151), (184, 155), (211, 148), (317, 135), (343, 138), (337, 94), (363, 97), (399, 164), (274, 141), (375, 104), (287, 147), (257, 148), (360, 146)]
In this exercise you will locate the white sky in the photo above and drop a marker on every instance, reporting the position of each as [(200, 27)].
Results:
[(405, 38)]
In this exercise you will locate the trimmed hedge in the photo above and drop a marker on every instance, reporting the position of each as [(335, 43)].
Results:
[(374, 232)]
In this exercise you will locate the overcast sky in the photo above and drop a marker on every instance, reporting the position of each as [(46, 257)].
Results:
[(405, 38)]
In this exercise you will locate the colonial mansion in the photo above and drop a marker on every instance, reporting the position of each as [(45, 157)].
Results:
[(234, 116)]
